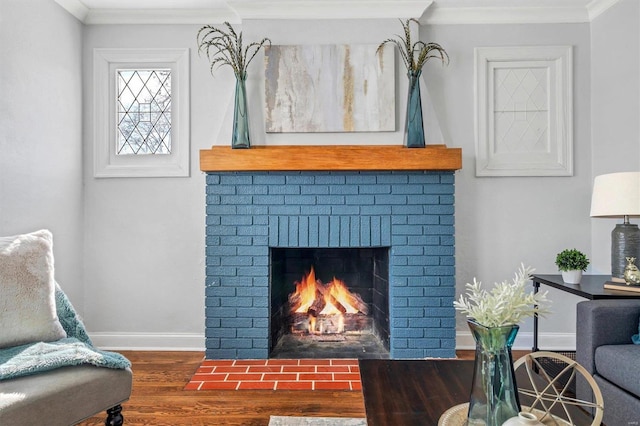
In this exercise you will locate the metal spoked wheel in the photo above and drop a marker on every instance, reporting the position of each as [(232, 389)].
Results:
[(553, 392)]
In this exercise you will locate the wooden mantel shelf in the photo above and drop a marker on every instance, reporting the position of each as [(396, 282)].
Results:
[(330, 158)]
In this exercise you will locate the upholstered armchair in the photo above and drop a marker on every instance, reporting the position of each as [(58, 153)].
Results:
[(50, 372)]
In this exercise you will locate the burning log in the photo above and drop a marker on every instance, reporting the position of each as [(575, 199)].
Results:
[(319, 303), (330, 299), (318, 308), (328, 324), (359, 304)]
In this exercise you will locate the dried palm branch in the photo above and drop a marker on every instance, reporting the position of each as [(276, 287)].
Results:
[(417, 54), (225, 48)]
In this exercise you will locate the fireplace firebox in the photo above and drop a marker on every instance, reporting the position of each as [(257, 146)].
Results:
[(329, 302)]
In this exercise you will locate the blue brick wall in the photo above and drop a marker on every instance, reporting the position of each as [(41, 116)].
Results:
[(410, 212)]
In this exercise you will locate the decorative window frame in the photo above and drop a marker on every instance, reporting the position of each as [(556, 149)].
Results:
[(555, 157), (106, 163)]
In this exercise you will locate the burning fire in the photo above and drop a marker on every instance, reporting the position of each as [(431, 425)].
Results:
[(332, 300)]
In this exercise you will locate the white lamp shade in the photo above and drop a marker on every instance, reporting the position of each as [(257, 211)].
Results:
[(616, 195)]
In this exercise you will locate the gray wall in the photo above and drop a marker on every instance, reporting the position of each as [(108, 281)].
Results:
[(143, 279), (144, 237), (40, 130), (503, 221), (500, 222), (615, 108)]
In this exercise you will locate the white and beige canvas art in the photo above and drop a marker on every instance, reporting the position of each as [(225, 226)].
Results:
[(329, 88)]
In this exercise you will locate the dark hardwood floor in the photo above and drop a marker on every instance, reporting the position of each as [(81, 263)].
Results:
[(158, 397)]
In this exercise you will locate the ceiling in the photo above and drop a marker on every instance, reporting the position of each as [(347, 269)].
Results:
[(429, 11)]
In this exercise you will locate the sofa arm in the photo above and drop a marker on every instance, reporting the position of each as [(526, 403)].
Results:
[(604, 322)]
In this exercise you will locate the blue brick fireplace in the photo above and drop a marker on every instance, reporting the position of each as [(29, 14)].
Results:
[(409, 212)]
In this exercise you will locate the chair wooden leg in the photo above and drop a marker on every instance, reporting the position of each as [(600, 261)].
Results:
[(114, 416)]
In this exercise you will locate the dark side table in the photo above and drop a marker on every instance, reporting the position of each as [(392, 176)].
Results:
[(591, 287)]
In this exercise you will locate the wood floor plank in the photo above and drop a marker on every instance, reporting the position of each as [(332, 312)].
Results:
[(158, 397), (393, 400)]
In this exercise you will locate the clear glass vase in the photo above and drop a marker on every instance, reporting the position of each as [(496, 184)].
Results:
[(240, 137), (413, 126), (494, 393)]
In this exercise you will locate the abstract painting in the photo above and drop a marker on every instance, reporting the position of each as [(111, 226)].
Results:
[(329, 88)]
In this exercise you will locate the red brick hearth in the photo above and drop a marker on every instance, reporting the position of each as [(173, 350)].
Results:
[(277, 374)]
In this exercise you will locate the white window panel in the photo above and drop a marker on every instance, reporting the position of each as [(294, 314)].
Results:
[(524, 113)]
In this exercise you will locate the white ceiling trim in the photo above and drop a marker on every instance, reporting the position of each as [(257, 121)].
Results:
[(161, 16), (430, 11), (505, 15), (329, 9), (75, 7), (597, 7)]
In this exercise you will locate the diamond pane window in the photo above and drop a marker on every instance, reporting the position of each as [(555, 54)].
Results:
[(141, 112), (144, 111)]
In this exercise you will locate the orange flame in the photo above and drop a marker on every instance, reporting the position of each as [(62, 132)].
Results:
[(336, 291), (307, 290)]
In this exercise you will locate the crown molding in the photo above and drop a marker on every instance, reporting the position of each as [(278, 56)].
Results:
[(429, 11), (329, 9), (161, 16), (239, 10), (75, 7), (505, 15), (597, 7)]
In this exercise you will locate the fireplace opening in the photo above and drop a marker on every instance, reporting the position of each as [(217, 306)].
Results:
[(329, 302)]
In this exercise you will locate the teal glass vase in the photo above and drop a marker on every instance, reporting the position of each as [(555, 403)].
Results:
[(494, 392), (240, 137), (413, 125)]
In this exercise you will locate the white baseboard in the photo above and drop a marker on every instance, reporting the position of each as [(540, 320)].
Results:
[(196, 342), (148, 341), (524, 341)]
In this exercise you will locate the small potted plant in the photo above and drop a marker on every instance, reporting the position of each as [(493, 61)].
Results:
[(572, 263), (493, 317)]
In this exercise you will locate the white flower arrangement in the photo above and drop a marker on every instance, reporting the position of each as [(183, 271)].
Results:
[(506, 304)]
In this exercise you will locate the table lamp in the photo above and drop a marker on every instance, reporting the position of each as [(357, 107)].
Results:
[(618, 195)]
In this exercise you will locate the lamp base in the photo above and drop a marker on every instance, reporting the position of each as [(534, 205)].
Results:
[(625, 242)]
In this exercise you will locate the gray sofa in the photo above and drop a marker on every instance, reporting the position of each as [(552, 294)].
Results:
[(604, 348)]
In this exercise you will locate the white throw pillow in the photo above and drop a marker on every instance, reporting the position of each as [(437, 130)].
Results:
[(27, 290)]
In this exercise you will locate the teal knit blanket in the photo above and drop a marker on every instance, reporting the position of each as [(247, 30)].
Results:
[(75, 349)]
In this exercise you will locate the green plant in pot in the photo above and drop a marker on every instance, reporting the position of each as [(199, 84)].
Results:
[(572, 263), (493, 317)]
